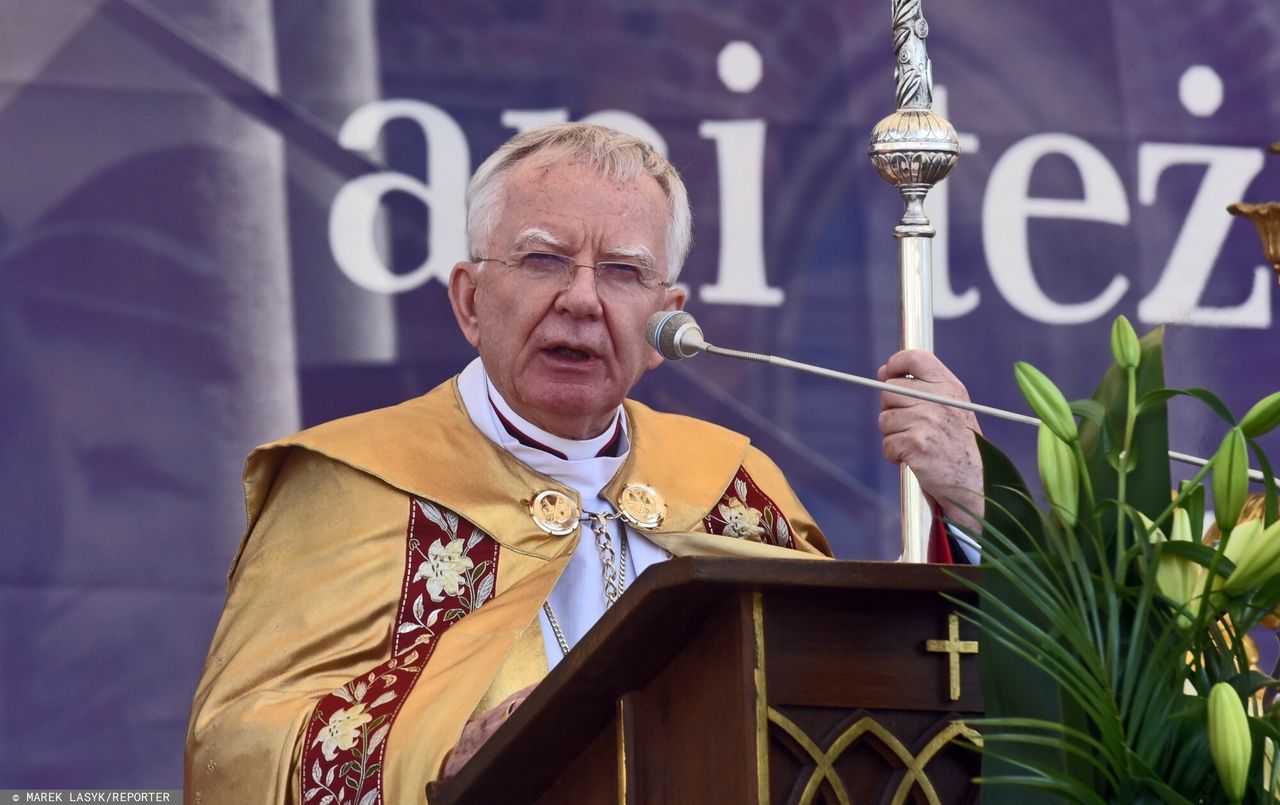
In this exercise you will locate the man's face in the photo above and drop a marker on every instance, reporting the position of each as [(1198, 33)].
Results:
[(565, 357)]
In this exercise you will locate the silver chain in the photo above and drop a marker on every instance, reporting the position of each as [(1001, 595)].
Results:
[(613, 569), (555, 627)]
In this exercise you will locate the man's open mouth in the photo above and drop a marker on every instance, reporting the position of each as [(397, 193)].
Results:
[(571, 353)]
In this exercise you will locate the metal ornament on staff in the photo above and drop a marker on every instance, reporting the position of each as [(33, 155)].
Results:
[(914, 149)]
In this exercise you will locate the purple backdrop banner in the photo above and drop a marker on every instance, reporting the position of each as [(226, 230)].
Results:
[(224, 220)]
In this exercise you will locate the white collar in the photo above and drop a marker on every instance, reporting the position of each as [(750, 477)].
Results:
[(485, 404)]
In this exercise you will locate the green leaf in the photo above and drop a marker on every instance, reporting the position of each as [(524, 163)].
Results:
[(1265, 599), (1205, 396), (1270, 512), (1089, 410), (1166, 794), (1198, 553), (1147, 491), (1191, 498), (1012, 685)]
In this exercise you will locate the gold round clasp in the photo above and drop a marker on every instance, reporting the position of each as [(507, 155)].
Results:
[(641, 506), (554, 512)]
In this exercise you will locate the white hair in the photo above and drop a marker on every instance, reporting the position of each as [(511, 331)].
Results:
[(617, 156)]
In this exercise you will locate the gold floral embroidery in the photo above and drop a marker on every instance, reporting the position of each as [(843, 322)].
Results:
[(746, 512), (344, 748), (741, 521), (358, 734), (443, 569), (341, 731)]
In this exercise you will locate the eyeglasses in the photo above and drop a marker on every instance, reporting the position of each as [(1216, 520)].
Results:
[(612, 277)]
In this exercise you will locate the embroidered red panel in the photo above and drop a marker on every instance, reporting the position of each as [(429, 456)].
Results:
[(450, 569), (746, 512)]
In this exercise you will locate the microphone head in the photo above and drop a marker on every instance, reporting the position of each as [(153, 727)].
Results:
[(675, 334)]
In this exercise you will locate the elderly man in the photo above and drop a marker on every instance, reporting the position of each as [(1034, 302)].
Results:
[(407, 574)]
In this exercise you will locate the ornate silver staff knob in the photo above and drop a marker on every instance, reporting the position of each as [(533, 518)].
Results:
[(914, 149)]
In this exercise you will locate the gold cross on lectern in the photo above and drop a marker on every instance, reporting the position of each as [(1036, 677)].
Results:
[(954, 647)]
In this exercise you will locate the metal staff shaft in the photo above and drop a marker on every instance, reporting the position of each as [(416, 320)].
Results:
[(915, 323), (913, 149)]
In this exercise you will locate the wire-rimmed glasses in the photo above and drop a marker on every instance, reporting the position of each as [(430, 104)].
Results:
[(613, 277)]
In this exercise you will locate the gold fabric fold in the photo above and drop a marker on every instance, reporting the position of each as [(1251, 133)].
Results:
[(697, 543)]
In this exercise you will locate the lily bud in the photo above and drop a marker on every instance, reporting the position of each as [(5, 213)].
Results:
[(1124, 343), (1178, 578), (1229, 741), (1181, 526), (1059, 475), (1046, 400), (1262, 417), (1254, 552), (1230, 479)]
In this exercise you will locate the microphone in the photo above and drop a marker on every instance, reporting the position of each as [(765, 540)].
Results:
[(676, 335)]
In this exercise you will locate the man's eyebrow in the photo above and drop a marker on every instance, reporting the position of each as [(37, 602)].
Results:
[(536, 236), (637, 253)]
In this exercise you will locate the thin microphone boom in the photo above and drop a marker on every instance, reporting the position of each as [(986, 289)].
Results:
[(676, 335), (774, 360)]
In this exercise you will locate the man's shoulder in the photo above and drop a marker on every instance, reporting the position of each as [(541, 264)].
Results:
[(666, 433), (678, 426), (686, 448), (385, 442), (436, 408)]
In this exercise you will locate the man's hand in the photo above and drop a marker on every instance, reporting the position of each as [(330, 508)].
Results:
[(935, 441), (479, 729)]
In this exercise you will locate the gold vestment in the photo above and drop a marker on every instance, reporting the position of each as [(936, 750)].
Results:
[(319, 584)]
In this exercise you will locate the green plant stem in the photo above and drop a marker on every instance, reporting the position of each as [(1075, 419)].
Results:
[(1113, 652), (1122, 469), (1184, 492), (1083, 468), (1093, 527), (1109, 649)]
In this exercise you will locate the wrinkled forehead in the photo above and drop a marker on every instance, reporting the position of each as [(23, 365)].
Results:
[(568, 204), (595, 171), (619, 166)]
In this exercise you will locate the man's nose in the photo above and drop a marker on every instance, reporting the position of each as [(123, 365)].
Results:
[(580, 297)]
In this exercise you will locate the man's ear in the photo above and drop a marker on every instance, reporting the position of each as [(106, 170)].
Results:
[(675, 300), (676, 296), (464, 284)]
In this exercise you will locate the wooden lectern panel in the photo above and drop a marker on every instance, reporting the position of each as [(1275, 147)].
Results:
[(750, 681), (694, 721)]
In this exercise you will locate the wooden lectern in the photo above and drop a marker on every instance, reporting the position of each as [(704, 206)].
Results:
[(750, 681)]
